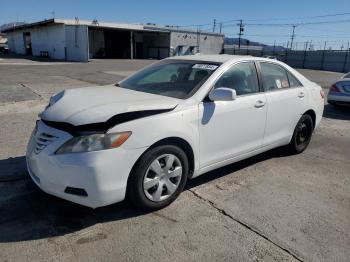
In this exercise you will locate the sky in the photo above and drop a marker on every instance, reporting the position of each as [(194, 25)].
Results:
[(268, 22)]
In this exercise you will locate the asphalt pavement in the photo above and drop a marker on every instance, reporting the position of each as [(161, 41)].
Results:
[(272, 207)]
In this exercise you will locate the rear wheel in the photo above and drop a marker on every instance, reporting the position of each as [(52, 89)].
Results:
[(302, 135), (158, 177)]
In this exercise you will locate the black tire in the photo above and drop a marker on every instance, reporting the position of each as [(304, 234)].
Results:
[(135, 187), (302, 135)]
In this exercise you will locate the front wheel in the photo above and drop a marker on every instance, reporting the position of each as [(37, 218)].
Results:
[(302, 135), (158, 178)]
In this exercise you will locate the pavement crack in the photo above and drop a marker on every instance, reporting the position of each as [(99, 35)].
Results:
[(249, 227), (24, 85)]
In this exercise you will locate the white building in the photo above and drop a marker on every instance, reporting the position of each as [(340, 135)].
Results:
[(78, 40)]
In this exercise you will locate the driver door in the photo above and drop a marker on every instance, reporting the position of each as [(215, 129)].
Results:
[(229, 129)]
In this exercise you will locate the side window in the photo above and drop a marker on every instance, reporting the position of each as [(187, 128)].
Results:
[(293, 81), (274, 76), (242, 77)]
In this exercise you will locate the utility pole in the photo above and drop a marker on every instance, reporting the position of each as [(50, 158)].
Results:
[(214, 25), (241, 30), (198, 39), (292, 37), (220, 27)]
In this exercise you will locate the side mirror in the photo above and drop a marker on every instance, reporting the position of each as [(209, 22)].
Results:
[(222, 94)]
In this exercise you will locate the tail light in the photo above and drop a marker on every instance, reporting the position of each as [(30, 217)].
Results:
[(334, 89), (322, 94)]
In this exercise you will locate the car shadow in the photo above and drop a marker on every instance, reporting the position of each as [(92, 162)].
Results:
[(336, 112), (27, 213)]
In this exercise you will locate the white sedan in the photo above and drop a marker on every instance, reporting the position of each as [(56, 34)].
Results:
[(339, 93), (173, 120)]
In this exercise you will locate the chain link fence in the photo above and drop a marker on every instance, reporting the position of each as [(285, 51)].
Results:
[(329, 60)]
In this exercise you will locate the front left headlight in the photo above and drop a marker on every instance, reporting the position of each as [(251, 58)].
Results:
[(95, 142)]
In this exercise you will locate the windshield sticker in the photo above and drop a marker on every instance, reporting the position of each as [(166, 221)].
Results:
[(205, 66)]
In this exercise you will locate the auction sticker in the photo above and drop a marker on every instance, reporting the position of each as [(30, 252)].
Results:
[(205, 66)]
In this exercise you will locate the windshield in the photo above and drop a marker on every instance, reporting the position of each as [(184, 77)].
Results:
[(347, 75), (174, 78)]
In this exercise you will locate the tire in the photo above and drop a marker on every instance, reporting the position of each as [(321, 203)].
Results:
[(302, 135), (153, 183)]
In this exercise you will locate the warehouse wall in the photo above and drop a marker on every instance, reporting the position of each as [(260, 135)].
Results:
[(48, 38), (16, 43), (208, 44), (77, 43)]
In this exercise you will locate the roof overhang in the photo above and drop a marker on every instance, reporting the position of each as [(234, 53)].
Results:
[(31, 25), (108, 25)]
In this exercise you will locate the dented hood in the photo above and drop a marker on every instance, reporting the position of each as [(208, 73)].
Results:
[(84, 106)]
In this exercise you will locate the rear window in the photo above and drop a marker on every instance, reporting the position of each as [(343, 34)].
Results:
[(347, 75)]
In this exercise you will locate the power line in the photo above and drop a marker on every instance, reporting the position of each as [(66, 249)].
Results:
[(298, 18), (281, 24), (296, 24)]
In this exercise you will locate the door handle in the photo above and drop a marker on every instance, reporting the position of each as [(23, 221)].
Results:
[(301, 95), (259, 104)]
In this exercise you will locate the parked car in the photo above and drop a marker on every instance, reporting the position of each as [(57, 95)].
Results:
[(339, 93), (172, 121)]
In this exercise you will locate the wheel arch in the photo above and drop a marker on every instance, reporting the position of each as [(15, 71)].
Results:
[(175, 141), (312, 114)]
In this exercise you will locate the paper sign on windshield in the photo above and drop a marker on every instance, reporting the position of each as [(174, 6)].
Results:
[(205, 66)]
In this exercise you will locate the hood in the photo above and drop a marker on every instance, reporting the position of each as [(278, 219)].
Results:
[(99, 104)]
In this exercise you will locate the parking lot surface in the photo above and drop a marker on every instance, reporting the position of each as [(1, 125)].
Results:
[(272, 207)]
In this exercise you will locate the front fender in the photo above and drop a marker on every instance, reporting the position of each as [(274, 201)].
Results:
[(181, 123)]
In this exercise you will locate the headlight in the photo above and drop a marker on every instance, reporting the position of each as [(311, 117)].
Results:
[(93, 142), (55, 98)]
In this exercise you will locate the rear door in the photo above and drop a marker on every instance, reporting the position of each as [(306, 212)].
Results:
[(286, 102)]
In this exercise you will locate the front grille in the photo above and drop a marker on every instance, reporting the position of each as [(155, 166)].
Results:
[(42, 140)]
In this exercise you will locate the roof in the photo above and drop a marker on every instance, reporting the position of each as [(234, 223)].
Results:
[(210, 58), (101, 24)]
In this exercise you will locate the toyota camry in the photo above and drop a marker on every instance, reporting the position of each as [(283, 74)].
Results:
[(174, 120)]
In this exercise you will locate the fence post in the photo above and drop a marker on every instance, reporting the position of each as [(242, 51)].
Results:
[(304, 58), (286, 56), (345, 60), (305, 54), (322, 60)]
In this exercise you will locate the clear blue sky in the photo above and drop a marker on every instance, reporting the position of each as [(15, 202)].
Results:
[(191, 12)]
